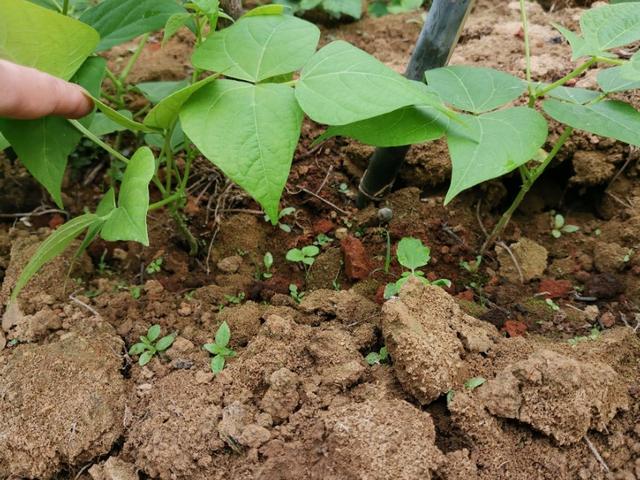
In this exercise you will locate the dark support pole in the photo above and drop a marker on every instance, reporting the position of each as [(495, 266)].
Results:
[(435, 45)]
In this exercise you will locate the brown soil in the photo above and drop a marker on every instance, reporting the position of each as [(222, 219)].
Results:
[(299, 401)]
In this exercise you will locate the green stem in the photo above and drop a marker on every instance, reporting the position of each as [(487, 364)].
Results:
[(165, 201), (576, 73), (133, 59), (65, 7), (524, 189), (527, 48), (168, 156), (87, 133)]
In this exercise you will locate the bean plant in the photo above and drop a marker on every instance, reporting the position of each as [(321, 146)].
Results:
[(494, 135), (247, 124)]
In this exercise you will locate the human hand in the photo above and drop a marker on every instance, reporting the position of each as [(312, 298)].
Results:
[(27, 94)]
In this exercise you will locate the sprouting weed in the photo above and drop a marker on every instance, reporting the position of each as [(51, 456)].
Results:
[(559, 226), (375, 358), (412, 254), (155, 266), (150, 345), (295, 293), (219, 348)]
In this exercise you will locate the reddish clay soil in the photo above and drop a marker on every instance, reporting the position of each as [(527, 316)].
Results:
[(299, 400)]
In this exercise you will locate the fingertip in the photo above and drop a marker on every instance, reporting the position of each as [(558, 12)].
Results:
[(80, 103)]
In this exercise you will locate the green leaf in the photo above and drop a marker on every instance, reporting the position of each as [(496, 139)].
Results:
[(165, 342), (223, 335), (118, 21), (155, 92), (295, 255), (373, 358), (4, 143), (412, 253), (475, 89), (609, 118), (570, 229), (390, 290), (407, 126), (310, 251), (145, 358), (137, 348), (268, 260), (611, 26), (37, 37), (631, 69), (129, 220), (53, 246), (384, 354), (213, 348), (612, 80), (153, 333), (116, 117), (103, 125), (342, 84), (493, 144), (558, 221), (217, 364), (259, 47), (166, 112), (249, 131), (474, 383), (352, 8), (574, 95), (174, 23), (265, 10), (580, 47)]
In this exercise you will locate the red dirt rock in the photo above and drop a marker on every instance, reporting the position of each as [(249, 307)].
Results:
[(514, 328), (555, 288), (357, 265)]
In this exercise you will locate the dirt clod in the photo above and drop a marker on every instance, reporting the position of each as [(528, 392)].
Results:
[(560, 396), (357, 265), (529, 260)]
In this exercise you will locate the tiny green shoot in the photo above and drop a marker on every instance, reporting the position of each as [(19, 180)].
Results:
[(155, 266), (151, 344), (474, 383), (267, 261), (375, 358), (559, 226), (296, 294), (219, 348)]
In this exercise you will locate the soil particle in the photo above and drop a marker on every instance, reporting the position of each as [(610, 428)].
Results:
[(603, 286), (230, 264), (427, 334), (552, 288), (594, 167), (560, 396), (610, 257), (363, 441), (530, 256), (325, 271), (167, 438), (113, 469), (357, 264), (243, 320), (63, 403), (282, 398)]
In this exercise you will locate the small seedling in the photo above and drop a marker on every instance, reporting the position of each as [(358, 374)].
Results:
[(412, 254), (473, 266), (235, 299), (219, 348), (136, 292), (474, 383), (149, 345), (376, 358), (450, 395), (304, 256), (295, 293), (322, 240), (559, 227), (155, 266), (267, 261), (285, 212), (102, 265), (552, 305), (593, 335)]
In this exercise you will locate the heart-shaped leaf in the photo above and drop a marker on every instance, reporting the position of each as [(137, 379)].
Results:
[(259, 47), (412, 253), (493, 144), (342, 84), (128, 222), (611, 26), (475, 89), (249, 131)]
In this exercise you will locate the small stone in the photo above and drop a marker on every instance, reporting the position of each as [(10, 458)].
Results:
[(356, 260), (530, 256), (555, 288), (230, 264), (607, 320), (203, 377), (514, 328), (153, 288), (323, 226), (120, 254), (592, 312), (341, 233), (385, 215), (185, 310), (254, 436)]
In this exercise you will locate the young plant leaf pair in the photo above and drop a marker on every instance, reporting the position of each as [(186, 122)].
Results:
[(151, 344), (412, 254), (219, 349)]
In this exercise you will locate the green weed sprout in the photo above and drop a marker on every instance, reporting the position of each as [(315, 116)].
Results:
[(474, 383), (267, 261), (155, 266), (295, 293), (305, 256), (285, 212), (375, 358), (412, 254), (560, 226), (594, 334), (149, 345), (219, 348)]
